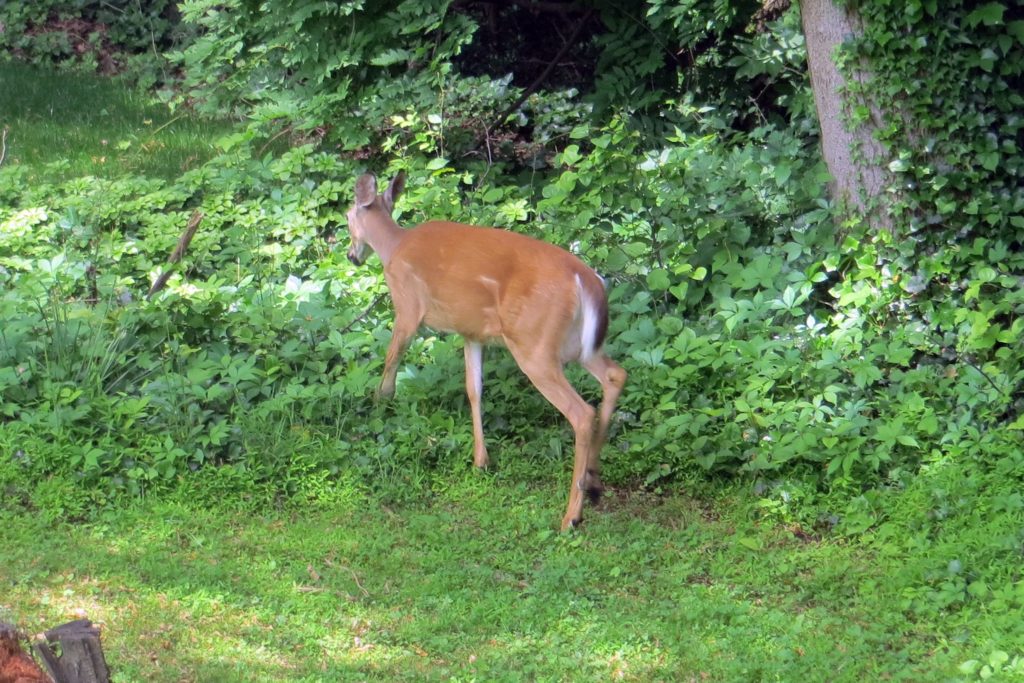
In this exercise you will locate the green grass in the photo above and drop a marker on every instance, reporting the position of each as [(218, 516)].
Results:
[(470, 583), (64, 125), (468, 579)]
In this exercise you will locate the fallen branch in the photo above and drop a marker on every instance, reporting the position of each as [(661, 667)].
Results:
[(286, 129), (176, 255), (160, 128), (361, 316)]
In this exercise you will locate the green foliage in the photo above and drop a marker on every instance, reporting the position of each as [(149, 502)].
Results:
[(863, 377), (756, 343), (936, 289), (300, 66), (113, 36), (143, 389)]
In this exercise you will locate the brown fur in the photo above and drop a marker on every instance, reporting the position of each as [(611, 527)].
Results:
[(491, 285)]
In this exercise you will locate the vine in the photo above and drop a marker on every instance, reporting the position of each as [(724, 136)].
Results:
[(949, 85)]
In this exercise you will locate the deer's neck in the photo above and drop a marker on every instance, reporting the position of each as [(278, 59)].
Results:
[(384, 236)]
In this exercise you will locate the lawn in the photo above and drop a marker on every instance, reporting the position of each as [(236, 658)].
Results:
[(469, 583), (64, 125)]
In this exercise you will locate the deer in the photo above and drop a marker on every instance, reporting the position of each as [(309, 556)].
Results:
[(495, 286)]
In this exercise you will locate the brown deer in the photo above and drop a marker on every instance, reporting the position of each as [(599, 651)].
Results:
[(495, 286)]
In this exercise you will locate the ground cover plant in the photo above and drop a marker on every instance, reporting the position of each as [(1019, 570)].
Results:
[(820, 440)]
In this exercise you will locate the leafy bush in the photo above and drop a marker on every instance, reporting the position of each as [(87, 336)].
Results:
[(110, 37)]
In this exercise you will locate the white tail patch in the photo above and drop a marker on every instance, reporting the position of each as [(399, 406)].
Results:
[(589, 324)]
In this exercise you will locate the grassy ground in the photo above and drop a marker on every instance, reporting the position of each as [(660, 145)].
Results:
[(67, 125), (472, 583)]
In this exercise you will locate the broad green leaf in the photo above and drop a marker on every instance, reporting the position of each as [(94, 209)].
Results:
[(989, 14), (783, 173), (671, 325), (658, 280), (908, 440), (570, 156), (998, 657), (635, 249), (1016, 29), (750, 542), (492, 195)]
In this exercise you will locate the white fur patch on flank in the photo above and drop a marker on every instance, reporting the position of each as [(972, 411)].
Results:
[(588, 328)]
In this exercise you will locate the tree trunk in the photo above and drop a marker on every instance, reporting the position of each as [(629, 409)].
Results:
[(854, 158), (80, 658)]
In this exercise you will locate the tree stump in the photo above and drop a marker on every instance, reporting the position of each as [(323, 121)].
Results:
[(81, 657), (16, 665)]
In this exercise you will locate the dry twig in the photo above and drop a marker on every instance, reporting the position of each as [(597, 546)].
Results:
[(3, 145), (361, 316), (179, 251)]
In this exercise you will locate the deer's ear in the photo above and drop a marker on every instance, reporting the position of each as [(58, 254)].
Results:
[(366, 190), (394, 190)]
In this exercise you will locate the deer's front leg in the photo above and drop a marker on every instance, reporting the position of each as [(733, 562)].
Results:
[(400, 337)]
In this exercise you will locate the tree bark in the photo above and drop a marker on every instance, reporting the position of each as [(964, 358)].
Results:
[(16, 665), (855, 159), (81, 654)]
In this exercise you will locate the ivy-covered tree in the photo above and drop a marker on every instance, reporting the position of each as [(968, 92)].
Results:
[(854, 157), (919, 111)]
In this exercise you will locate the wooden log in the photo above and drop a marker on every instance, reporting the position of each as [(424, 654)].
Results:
[(81, 656), (16, 665)]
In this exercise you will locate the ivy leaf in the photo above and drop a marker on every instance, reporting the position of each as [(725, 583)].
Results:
[(1016, 29), (899, 166), (782, 174), (989, 14), (570, 155), (988, 59)]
